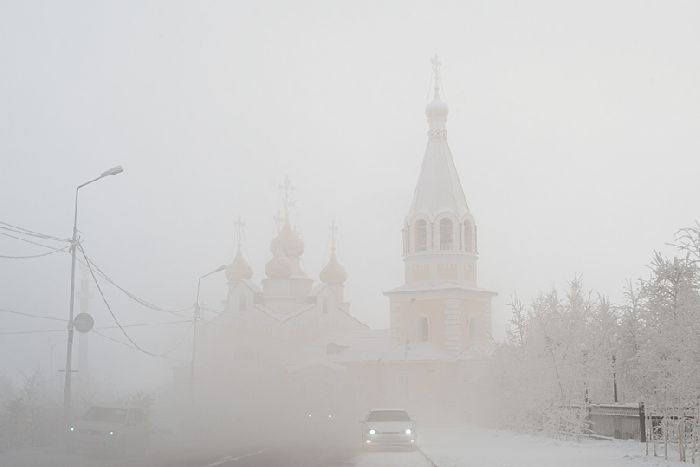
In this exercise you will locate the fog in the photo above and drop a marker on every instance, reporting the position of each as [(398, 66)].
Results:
[(574, 130)]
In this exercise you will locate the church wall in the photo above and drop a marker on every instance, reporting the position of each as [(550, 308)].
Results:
[(427, 389), (411, 311), (475, 322), (373, 385)]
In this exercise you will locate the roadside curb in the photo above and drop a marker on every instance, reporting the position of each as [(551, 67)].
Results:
[(428, 458)]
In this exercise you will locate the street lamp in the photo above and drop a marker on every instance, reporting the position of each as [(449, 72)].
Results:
[(194, 328), (73, 245)]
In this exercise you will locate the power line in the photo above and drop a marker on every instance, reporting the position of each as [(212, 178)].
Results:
[(30, 315), (38, 331), (30, 241), (212, 310), (62, 250), (138, 300), (100, 272), (109, 308), (44, 331), (31, 233), (130, 346)]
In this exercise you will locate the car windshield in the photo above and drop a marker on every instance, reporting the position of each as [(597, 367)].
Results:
[(105, 414), (388, 416)]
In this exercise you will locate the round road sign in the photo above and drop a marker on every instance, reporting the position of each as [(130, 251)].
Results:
[(83, 322)]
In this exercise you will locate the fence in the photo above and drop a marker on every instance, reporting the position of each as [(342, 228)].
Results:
[(617, 421), (673, 429), (665, 431)]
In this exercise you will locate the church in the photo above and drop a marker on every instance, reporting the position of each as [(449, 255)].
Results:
[(295, 344)]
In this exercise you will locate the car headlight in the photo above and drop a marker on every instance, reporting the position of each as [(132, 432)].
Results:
[(111, 433), (408, 431), (72, 428), (372, 431)]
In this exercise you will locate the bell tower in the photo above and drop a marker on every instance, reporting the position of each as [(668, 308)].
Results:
[(440, 302), (439, 233)]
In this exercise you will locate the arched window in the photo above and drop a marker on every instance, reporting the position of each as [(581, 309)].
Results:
[(423, 328), (468, 237), (242, 303), (471, 328), (421, 234), (446, 234)]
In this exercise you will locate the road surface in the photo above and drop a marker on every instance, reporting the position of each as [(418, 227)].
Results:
[(287, 455)]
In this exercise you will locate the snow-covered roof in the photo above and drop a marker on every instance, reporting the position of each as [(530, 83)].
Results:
[(438, 189)]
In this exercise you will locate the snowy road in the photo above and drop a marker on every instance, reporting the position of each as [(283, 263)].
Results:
[(318, 456), (391, 459), (321, 457), (447, 446)]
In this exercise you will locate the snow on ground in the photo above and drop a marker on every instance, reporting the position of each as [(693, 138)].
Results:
[(446, 446), (391, 459), (467, 446)]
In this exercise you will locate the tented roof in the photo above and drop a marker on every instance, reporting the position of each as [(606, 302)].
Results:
[(439, 188)]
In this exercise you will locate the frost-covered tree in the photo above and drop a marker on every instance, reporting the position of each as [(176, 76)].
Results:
[(663, 324), (7, 392), (558, 356), (29, 416), (567, 350)]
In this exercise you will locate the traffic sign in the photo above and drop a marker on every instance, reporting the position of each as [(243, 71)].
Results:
[(83, 322)]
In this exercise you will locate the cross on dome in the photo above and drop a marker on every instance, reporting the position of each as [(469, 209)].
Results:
[(239, 269), (239, 226), (334, 232), (436, 110), (333, 273), (436, 74), (286, 189)]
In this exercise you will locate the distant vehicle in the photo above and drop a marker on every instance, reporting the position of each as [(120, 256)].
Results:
[(325, 425), (388, 427), (110, 429)]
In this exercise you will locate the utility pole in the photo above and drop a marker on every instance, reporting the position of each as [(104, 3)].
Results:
[(614, 375), (195, 318), (83, 339), (73, 245)]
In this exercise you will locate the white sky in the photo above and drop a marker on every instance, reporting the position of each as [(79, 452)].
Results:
[(575, 127)]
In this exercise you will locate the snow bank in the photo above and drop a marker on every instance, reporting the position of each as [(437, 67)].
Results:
[(462, 446)]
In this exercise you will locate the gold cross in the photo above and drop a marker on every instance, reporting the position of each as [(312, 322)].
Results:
[(286, 188), (334, 233), (239, 225), (436, 73)]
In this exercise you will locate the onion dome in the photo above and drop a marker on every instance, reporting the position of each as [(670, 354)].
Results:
[(239, 269), (334, 273), (437, 109), (278, 267), (292, 243)]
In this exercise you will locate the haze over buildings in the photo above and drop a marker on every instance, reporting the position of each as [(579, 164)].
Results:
[(574, 138)]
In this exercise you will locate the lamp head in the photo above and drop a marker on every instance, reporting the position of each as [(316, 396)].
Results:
[(219, 269), (113, 171)]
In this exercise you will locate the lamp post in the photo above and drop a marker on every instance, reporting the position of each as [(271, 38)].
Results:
[(195, 318), (74, 244)]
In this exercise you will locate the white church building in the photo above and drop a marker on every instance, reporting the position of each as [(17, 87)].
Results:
[(293, 342)]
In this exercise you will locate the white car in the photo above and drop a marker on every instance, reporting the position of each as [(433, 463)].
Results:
[(110, 429), (388, 427)]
